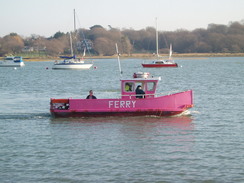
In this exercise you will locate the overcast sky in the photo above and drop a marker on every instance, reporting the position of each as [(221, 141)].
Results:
[(46, 17)]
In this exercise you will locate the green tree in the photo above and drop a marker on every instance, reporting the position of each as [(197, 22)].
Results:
[(58, 35)]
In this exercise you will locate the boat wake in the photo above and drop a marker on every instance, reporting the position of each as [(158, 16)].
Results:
[(25, 116), (187, 113), (194, 112)]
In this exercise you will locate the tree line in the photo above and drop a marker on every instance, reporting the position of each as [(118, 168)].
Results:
[(97, 40)]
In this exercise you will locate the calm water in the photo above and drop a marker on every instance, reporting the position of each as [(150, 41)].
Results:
[(206, 146)]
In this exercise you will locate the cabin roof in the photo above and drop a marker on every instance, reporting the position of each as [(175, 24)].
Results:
[(143, 79)]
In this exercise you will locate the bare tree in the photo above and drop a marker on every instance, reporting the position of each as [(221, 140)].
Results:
[(12, 44)]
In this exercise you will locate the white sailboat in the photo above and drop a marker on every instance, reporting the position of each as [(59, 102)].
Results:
[(72, 62)]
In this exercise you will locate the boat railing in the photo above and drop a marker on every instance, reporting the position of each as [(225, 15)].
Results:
[(168, 92), (154, 94), (134, 95)]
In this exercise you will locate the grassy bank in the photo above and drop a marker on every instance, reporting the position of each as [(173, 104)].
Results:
[(139, 55), (189, 55)]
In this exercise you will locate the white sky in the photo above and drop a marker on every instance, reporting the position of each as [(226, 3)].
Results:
[(46, 17)]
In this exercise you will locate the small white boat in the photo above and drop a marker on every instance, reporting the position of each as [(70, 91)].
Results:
[(12, 61)]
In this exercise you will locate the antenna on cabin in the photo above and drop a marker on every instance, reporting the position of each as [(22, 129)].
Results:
[(117, 50)]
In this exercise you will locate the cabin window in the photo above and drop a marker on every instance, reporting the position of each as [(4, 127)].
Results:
[(129, 87), (151, 86), (141, 84)]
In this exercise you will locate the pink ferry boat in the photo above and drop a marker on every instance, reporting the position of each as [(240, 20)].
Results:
[(128, 104)]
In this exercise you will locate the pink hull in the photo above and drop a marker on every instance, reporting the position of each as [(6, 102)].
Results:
[(160, 65), (106, 114), (157, 106)]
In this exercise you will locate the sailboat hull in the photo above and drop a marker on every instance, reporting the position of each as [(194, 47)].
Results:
[(72, 66), (11, 64), (160, 65)]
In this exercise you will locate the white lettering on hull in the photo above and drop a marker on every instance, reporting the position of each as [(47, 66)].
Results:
[(122, 104)]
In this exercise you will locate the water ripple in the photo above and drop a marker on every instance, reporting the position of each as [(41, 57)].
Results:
[(25, 116)]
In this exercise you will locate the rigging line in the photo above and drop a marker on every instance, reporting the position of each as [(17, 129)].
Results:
[(167, 46), (83, 35)]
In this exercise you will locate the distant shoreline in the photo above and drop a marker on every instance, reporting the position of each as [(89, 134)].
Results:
[(143, 56)]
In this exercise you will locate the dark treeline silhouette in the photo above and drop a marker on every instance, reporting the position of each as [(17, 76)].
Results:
[(100, 41)]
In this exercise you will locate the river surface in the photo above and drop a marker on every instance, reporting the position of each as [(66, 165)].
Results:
[(205, 146)]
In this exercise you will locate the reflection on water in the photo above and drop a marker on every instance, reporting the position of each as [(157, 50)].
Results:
[(172, 133), (25, 116), (182, 122)]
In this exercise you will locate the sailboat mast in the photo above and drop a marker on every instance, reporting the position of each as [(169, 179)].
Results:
[(157, 38), (170, 52), (74, 22), (74, 35), (71, 47)]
